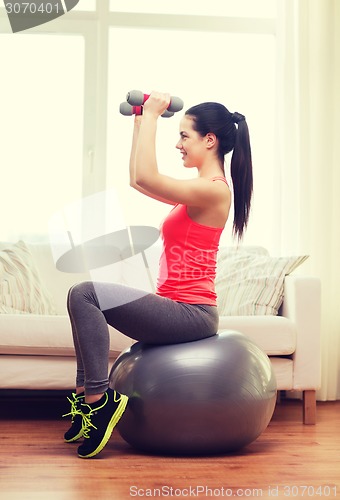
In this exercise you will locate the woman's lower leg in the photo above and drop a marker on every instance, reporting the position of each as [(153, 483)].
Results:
[(91, 339)]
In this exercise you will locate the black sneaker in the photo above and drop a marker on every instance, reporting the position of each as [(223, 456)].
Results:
[(99, 420), (76, 430)]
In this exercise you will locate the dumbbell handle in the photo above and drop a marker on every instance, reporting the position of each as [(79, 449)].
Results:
[(127, 110), (137, 98)]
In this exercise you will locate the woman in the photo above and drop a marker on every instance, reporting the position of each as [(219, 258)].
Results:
[(183, 308)]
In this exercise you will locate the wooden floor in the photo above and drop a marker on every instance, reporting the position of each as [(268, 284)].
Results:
[(289, 460)]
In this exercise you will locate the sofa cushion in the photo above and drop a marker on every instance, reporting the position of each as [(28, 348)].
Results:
[(251, 283), (57, 283), (46, 335), (275, 335), (21, 287)]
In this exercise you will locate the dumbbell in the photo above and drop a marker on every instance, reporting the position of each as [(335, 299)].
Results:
[(127, 110), (137, 98)]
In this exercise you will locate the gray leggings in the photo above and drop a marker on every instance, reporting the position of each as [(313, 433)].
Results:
[(142, 316)]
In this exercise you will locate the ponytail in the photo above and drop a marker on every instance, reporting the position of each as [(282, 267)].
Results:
[(242, 176), (214, 117)]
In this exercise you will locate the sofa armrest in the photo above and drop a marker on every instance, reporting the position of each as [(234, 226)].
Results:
[(302, 304)]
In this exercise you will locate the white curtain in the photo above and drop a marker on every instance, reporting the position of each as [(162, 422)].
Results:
[(309, 157)]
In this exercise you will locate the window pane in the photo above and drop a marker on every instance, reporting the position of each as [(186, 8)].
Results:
[(235, 69), (41, 89), (87, 5), (231, 8)]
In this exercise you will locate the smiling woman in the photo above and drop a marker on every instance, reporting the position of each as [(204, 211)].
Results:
[(184, 306)]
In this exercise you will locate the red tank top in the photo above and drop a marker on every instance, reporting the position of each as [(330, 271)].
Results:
[(187, 267)]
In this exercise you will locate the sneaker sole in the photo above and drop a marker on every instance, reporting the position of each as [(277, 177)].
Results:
[(112, 424)]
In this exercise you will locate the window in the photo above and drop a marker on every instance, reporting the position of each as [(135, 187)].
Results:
[(63, 136), (42, 94)]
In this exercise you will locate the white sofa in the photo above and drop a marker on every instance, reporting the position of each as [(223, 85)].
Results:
[(36, 351)]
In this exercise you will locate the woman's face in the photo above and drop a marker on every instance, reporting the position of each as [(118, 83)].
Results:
[(191, 144)]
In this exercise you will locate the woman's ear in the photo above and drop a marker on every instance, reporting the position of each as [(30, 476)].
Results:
[(211, 140)]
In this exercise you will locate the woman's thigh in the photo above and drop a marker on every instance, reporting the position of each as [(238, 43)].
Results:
[(149, 318)]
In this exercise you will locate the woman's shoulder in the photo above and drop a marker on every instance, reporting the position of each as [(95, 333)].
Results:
[(220, 178)]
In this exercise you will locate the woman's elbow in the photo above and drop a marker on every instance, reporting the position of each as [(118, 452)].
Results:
[(141, 181), (134, 184)]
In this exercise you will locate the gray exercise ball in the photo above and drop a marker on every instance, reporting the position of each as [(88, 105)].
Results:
[(210, 396)]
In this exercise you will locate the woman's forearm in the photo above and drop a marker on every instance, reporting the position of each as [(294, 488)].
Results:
[(132, 165), (145, 154)]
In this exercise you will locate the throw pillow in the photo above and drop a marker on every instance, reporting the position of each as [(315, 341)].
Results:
[(249, 283), (21, 288)]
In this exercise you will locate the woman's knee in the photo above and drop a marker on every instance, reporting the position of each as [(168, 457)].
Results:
[(80, 293)]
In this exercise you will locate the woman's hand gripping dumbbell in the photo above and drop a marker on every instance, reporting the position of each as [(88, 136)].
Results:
[(135, 100)]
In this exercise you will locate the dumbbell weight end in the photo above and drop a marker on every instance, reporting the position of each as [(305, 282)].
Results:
[(127, 110)]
